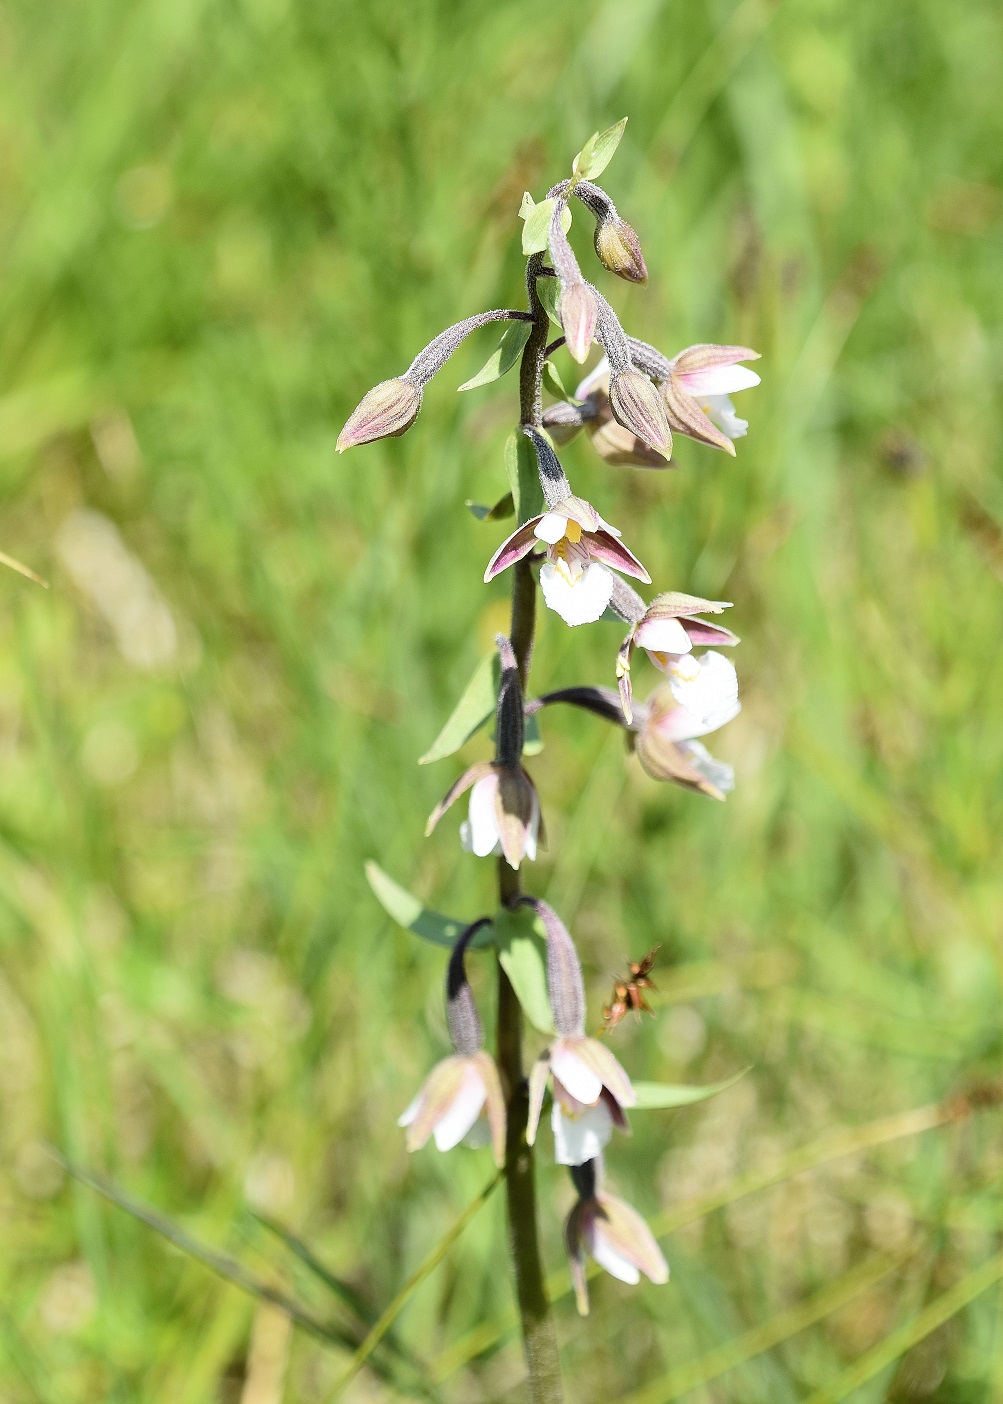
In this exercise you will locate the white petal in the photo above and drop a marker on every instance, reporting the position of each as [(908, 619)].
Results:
[(722, 412), (719, 380), (583, 602), (576, 1076), (551, 527), (607, 1257), (597, 379), (580, 1135), (533, 831), (707, 687), (462, 1113), (683, 725), (663, 636), (484, 836), (719, 773), (411, 1111)]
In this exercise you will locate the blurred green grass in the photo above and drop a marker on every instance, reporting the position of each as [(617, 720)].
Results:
[(219, 225)]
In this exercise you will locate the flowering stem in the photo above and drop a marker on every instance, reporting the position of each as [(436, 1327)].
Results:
[(539, 1340)]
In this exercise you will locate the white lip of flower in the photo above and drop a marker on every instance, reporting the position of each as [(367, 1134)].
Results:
[(706, 690), (580, 1131), (716, 772), (575, 577), (720, 409), (479, 832), (459, 1117)]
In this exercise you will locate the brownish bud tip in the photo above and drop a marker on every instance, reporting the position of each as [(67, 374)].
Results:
[(387, 410), (619, 250), (637, 405), (578, 318)]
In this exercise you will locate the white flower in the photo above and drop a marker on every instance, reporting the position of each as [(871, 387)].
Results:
[(457, 1095), (480, 833), (581, 1131), (706, 688)]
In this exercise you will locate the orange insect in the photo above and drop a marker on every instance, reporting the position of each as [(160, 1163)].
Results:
[(628, 994)]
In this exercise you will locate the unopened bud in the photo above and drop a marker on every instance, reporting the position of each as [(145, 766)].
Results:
[(565, 987), (619, 250), (578, 318), (387, 410), (637, 405)]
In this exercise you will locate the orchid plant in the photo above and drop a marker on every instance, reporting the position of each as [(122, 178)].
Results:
[(629, 406)]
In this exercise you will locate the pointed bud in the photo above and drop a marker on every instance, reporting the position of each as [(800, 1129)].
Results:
[(578, 318), (637, 405), (619, 250), (565, 987), (387, 410)]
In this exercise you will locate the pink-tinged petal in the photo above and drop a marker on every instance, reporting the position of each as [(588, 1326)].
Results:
[(578, 509), (538, 1075), (484, 835), (584, 601), (606, 548), (673, 604), (687, 417), (663, 759), (519, 544), (441, 1087), (714, 635), (706, 355), (625, 1234), (662, 636), (610, 1260), (463, 1111), (578, 318), (580, 1135), (637, 405), (602, 1063), (468, 778), (679, 724), (387, 410), (494, 1103), (551, 527), (616, 1111), (707, 687), (581, 1080), (718, 380)]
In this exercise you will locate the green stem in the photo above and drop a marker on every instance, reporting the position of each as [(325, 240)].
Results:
[(539, 1339)]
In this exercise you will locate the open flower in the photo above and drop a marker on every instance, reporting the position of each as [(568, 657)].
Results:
[(668, 631), (575, 577), (591, 1089), (666, 735), (698, 390), (504, 812), (461, 1100), (612, 1233)]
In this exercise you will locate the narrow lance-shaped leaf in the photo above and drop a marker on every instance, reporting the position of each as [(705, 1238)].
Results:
[(598, 151), (656, 1096), (408, 911), (503, 358), (475, 707), (522, 952), (524, 477)]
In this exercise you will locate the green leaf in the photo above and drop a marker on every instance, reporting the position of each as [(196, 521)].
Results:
[(597, 152), (524, 477), (475, 707), (533, 743), (503, 358), (654, 1096), (407, 911), (553, 382), (549, 292), (536, 230), (522, 952), (503, 508)]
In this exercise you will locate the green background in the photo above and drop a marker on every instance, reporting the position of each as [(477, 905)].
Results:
[(221, 221)]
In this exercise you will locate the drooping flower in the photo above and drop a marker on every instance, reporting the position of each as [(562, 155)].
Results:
[(612, 1233), (668, 630), (576, 577), (590, 1088), (698, 389), (462, 1098), (666, 743), (504, 812)]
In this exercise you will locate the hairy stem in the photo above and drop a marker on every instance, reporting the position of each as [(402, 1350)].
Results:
[(539, 1340)]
